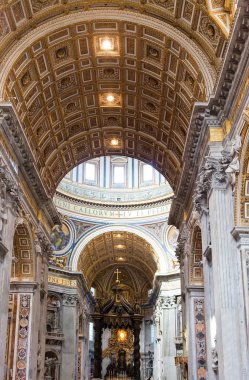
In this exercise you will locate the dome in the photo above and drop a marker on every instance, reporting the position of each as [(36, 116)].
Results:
[(115, 180)]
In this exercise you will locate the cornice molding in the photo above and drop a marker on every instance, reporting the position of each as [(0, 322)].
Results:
[(12, 128), (78, 276), (113, 206)]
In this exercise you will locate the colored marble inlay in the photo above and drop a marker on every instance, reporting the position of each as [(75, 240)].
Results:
[(200, 338), (23, 331)]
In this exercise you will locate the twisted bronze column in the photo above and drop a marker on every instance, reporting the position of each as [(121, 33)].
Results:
[(97, 346), (136, 329)]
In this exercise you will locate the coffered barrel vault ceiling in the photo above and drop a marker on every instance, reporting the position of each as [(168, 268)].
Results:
[(118, 249), (60, 78)]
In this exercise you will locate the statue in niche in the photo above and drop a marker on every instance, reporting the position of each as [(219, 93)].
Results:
[(50, 368), (137, 308), (157, 321), (53, 313)]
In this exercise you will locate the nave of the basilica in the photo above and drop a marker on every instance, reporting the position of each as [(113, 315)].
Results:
[(124, 190)]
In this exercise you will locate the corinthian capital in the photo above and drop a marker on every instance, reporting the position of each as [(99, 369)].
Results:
[(70, 300), (217, 173)]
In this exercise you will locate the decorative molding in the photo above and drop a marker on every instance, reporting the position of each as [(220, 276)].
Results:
[(70, 300), (23, 287), (217, 173), (42, 242), (200, 338), (13, 131), (9, 191), (169, 302), (208, 253), (21, 370), (241, 235), (126, 196), (213, 113), (62, 281)]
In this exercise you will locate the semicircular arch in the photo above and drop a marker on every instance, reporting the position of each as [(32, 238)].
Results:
[(163, 261), (59, 86)]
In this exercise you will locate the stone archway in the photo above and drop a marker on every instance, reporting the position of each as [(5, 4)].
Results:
[(158, 248)]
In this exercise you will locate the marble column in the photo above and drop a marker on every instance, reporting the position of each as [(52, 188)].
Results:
[(216, 186), (136, 331), (70, 342), (169, 334), (97, 346), (227, 285), (196, 338), (166, 327), (42, 248), (9, 201), (24, 349)]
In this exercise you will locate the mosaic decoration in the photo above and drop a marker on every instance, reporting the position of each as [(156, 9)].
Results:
[(82, 227), (23, 332), (60, 237), (172, 236), (200, 338)]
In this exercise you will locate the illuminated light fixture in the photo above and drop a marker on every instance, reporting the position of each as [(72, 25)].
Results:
[(120, 246), (106, 44), (110, 98), (114, 142), (121, 259)]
